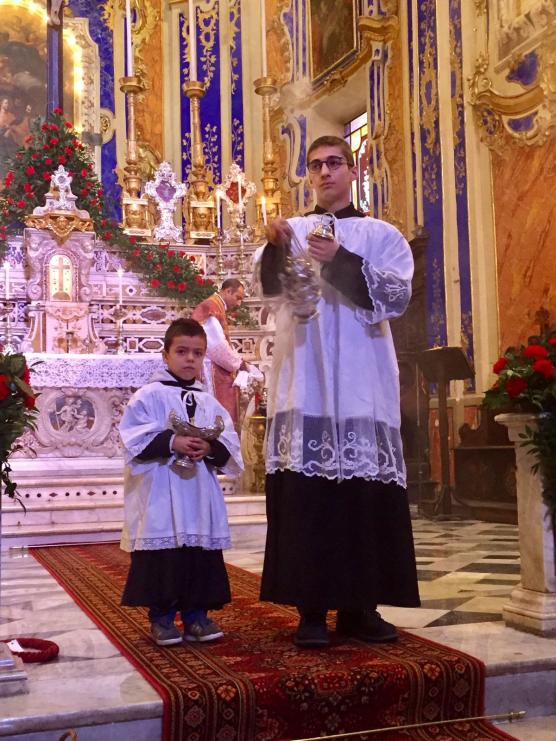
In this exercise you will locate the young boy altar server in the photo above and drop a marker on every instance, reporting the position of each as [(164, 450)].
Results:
[(175, 522)]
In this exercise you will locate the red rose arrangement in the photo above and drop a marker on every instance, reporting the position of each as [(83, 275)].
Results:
[(55, 142), (17, 412), (527, 382)]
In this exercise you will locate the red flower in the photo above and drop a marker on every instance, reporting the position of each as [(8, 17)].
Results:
[(132, 240), (35, 156), (100, 192), (158, 266), (30, 170), (84, 173), (155, 283), (29, 196), (210, 282), (170, 253), (27, 187), (29, 401), (176, 269), (136, 253), (54, 141), (94, 202), (53, 127), (170, 284), (45, 127), (552, 341), (544, 367), (11, 201), (514, 386), (107, 235), (68, 124), (103, 222), (537, 352), (48, 161), (61, 160), (46, 175), (9, 179), (83, 192), (192, 258), (58, 111), (4, 390), (28, 139), (26, 375), (181, 286), (68, 151), (21, 204), (199, 281)]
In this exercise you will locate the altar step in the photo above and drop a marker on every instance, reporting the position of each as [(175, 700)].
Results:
[(53, 523)]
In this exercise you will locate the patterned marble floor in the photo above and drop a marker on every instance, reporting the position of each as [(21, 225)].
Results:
[(466, 572)]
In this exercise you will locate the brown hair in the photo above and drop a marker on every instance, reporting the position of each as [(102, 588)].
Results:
[(232, 283), (333, 141), (183, 328)]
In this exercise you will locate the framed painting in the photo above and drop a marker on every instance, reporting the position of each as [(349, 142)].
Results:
[(333, 35)]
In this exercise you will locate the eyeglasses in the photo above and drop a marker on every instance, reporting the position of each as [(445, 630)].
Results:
[(333, 163)]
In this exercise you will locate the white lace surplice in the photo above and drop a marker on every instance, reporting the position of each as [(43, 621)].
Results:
[(166, 506), (334, 401)]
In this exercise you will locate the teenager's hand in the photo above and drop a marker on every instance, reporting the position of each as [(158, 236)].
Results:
[(279, 232), (193, 447), (323, 250)]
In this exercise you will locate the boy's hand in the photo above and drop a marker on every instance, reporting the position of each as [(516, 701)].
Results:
[(323, 250), (193, 447)]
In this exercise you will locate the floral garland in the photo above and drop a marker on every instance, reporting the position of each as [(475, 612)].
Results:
[(55, 142), (527, 382), (17, 412)]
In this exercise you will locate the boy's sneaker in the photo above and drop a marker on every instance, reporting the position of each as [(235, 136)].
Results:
[(165, 635), (203, 629)]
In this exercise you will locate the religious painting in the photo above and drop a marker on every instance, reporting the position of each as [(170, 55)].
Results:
[(333, 34), (71, 414), (23, 65), (60, 275)]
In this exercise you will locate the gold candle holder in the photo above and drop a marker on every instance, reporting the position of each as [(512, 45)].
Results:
[(266, 87), (134, 206), (198, 178)]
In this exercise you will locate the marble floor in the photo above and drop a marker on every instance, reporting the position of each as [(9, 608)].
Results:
[(466, 572)]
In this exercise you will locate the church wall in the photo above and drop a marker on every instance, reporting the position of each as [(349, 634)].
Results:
[(524, 180)]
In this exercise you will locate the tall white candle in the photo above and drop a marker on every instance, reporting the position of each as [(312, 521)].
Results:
[(121, 284), (263, 38), (218, 217), (263, 209), (239, 194), (129, 45), (192, 42), (7, 272)]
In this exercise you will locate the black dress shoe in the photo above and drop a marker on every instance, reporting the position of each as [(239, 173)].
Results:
[(311, 634), (365, 625)]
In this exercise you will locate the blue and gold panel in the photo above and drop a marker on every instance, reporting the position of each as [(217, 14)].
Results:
[(102, 36), (236, 72), (425, 80), (208, 70), (460, 174)]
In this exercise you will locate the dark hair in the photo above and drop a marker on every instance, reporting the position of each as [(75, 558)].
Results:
[(232, 283), (183, 328), (333, 141)]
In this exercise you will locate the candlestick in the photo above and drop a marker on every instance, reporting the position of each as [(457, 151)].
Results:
[(121, 285), (263, 39), (239, 194), (263, 209), (5, 313), (192, 42), (129, 45), (218, 216), (7, 272)]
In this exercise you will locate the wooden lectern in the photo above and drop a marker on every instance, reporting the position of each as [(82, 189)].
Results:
[(441, 365)]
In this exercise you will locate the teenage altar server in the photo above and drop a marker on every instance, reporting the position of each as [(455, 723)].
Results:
[(339, 530)]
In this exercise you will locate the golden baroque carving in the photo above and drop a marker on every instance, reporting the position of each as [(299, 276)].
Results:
[(60, 223), (492, 109), (147, 18), (480, 7)]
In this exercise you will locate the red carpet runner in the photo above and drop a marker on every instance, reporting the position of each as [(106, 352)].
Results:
[(254, 685)]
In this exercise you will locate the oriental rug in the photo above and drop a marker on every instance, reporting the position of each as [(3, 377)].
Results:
[(254, 685)]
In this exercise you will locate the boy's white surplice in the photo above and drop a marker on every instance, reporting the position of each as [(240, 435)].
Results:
[(334, 401), (167, 506)]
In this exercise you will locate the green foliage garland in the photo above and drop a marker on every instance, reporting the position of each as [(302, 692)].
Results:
[(17, 412), (55, 142)]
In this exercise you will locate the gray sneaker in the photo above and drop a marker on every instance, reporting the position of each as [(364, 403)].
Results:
[(202, 630), (165, 636)]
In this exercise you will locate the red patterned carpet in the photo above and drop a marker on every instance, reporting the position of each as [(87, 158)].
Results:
[(254, 685)]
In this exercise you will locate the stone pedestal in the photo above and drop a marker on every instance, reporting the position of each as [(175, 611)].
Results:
[(532, 605), (13, 678)]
